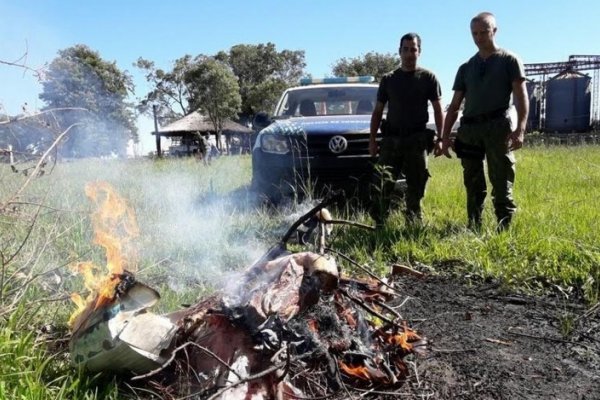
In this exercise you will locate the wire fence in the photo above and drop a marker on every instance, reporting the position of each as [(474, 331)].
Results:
[(562, 139)]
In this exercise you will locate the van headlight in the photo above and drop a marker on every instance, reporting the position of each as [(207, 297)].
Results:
[(274, 144)]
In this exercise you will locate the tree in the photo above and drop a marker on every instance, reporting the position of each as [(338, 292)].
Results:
[(79, 77), (372, 63), (264, 95), (169, 89), (214, 90), (263, 73)]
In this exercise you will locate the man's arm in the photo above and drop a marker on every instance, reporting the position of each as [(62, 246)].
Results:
[(438, 116), (375, 123), (451, 116), (515, 139)]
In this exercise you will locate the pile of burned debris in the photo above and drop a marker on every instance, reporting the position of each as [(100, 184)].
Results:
[(294, 327)]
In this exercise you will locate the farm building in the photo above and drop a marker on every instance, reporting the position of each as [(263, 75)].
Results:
[(563, 99), (568, 97), (185, 135)]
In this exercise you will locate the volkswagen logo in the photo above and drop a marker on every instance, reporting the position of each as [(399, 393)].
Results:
[(338, 144)]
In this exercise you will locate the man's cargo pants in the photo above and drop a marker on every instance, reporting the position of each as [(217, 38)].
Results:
[(489, 137), (401, 156)]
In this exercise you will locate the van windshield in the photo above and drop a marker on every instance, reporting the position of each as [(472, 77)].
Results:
[(335, 100)]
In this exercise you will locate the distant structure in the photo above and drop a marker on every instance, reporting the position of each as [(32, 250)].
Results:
[(564, 99), (568, 98), (185, 135)]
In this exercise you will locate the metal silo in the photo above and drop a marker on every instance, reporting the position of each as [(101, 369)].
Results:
[(533, 119), (568, 101)]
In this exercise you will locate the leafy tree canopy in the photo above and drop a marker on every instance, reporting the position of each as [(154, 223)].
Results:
[(79, 77), (214, 91), (169, 90), (372, 63), (263, 72)]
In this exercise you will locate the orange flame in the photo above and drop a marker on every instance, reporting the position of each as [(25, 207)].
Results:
[(114, 226), (404, 339), (359, 372)]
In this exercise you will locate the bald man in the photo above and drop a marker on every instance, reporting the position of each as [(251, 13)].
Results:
[(486, 83)]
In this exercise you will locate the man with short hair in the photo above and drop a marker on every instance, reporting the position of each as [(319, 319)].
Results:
[(486, 82), (406, 140)]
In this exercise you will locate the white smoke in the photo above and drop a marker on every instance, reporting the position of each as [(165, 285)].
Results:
[(201, 235)]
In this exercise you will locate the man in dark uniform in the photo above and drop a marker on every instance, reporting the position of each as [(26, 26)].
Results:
[(486, 82), (203, 147), (406, 142)]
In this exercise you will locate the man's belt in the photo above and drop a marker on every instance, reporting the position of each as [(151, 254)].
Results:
[(403, 131), (486, 117)]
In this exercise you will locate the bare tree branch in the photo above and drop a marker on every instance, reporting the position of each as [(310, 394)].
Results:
[(21, 62), (39, 165), (23, 117)]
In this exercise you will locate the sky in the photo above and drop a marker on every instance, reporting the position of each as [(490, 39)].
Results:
[(161, 31)]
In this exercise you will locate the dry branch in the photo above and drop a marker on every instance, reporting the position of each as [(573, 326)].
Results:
[(174, 354), (19, 63), (38, 166)]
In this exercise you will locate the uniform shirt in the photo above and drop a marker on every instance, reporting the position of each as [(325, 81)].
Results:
[(487, 84), (406, 94), (203, 145)]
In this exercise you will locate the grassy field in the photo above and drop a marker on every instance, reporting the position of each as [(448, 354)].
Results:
[(198, 223)]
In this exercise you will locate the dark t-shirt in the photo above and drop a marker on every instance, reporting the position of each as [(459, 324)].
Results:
[(406, 94), (203, 145), (487, 84)]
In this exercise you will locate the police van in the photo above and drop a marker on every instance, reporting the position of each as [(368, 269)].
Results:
[(317, 138)]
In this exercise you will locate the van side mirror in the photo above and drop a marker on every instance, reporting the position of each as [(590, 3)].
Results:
[(261, 120)]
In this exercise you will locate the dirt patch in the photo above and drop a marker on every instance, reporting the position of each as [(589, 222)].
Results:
[(489, 344)]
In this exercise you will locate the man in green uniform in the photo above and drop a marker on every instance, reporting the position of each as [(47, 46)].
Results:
[(406, 141), (486, 82), (203, 148)]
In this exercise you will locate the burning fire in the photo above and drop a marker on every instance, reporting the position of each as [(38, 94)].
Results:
[(405, 342), (114, 225), (359, 371), (404, 339)]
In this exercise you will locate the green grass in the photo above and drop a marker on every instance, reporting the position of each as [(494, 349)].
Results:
[(197, 223), (29, 371), (553, 238)]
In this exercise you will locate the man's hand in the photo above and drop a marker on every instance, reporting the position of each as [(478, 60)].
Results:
[(442, 147), (372, 148), (514, 140)]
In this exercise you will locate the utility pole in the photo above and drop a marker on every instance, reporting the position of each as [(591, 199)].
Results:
[(154, 112)]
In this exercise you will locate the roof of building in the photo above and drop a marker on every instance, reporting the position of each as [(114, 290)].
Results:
[(196, 122)]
